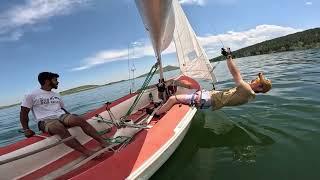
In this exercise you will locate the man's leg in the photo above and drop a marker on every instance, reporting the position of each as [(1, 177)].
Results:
[(58, 128), (73, 121), (172, 101)]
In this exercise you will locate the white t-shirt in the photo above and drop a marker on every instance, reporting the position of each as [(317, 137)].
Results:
[(44, 104)]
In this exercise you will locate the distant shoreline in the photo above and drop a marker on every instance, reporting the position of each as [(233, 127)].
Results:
[(308, 39), (89, 87), (4, 107)]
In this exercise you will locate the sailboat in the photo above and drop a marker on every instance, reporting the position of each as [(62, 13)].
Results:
[(139, 142)]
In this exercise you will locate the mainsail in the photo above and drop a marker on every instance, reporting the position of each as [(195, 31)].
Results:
[(155, 15), (192, 58), (165, 21)]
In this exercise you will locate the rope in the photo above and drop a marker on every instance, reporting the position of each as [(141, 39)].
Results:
[(118, 139), (143, 88)]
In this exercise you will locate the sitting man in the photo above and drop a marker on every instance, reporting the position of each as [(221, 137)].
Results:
[(48, 110), (241, 94)]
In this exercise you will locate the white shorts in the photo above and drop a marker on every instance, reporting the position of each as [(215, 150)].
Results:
[(205, 101), (202, 99)]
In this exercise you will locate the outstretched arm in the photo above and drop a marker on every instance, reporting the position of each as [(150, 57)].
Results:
[(235, 72)]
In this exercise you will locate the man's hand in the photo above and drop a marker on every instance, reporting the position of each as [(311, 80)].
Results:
[(226, 52), (28, 133)]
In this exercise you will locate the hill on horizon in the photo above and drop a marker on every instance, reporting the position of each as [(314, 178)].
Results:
[(307, 39)]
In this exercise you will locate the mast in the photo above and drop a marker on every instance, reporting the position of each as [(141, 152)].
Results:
[(158, 19), (160, 67)]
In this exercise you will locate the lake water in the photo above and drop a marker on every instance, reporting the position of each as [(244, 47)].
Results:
[(274, 137)]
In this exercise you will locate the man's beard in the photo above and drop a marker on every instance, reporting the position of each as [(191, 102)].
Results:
[(54, 86)]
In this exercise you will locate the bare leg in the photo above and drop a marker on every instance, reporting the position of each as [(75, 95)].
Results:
[(73, 121), (172, 101), (58, 128)]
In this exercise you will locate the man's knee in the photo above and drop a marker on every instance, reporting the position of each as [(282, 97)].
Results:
[(82, 122), (72, 120), (172, 99), (58, 128), (77, 121)]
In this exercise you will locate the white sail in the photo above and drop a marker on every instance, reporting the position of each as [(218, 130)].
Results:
[(155, 15), (165, 20), (156, 18), (192, 58)]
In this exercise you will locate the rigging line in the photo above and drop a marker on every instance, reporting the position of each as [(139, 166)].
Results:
[(220, 42), (216, 64), (208, 67), (211, 26), (144, 86), (129, 67), (129, 74)]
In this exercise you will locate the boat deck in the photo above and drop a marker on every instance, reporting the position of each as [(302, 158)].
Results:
[(118, 165)]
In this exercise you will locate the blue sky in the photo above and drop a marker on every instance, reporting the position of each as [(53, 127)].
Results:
[(86, 41)]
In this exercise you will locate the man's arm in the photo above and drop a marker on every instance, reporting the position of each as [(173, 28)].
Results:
[(24, 119), (235, 72)]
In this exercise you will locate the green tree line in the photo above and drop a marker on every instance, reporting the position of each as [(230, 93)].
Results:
[(298, 41)]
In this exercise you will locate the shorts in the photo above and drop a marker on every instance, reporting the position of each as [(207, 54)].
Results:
[(45, 124), (201, 99), (205, 101)]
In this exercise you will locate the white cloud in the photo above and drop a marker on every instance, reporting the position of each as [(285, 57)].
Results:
[(237, 40), (33, 12), (211, 43), (138, 49), (192, 2), (13, 36), (309, 3)]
